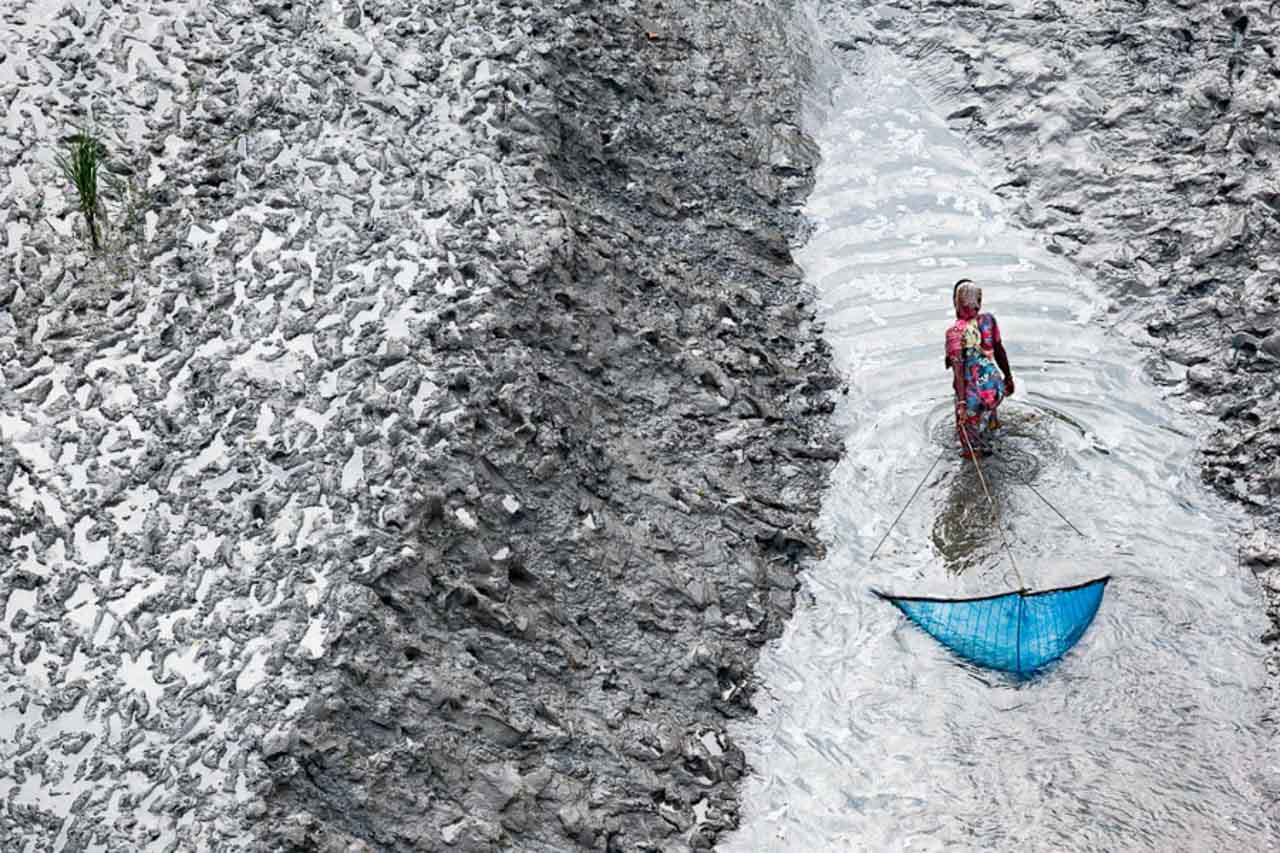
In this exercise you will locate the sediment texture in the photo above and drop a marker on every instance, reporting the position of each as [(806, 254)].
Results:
[(426, 460), (1141, 140)]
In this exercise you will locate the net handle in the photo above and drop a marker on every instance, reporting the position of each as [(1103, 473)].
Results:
[(964, 436)]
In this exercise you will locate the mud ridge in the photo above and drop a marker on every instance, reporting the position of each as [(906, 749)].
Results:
[(638, 451)]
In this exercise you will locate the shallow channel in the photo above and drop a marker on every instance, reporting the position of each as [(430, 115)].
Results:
[(1148, 735)]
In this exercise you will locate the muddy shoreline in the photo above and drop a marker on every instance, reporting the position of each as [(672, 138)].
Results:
[(429, 458), (652, 391)]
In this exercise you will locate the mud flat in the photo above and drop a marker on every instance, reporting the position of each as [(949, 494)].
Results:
[(435, 445)]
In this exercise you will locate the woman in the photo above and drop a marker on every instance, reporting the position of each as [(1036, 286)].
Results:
[(974, 350)]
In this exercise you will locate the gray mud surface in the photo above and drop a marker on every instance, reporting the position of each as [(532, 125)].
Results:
[(615, 526), (1142, 140), (436, 445), (428, 458)]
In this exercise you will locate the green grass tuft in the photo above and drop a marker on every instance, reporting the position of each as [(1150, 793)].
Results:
[(80, 164)]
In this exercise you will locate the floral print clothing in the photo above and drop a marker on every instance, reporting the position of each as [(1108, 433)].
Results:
[(971, 343)]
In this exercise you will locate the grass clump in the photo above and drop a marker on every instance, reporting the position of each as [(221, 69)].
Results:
[(81, 161)]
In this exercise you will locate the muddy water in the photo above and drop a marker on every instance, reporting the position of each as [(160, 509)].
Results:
[(871, 737)]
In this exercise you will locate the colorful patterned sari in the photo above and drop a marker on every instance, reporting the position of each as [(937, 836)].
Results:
[(971, 342)]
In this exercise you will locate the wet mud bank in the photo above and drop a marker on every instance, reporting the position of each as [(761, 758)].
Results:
[(634, 450), (427, 459), (1140, 140)]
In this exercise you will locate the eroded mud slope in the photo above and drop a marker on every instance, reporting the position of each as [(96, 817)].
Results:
[(613, 508)]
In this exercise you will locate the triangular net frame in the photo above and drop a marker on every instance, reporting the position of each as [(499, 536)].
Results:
[(1016, 632)]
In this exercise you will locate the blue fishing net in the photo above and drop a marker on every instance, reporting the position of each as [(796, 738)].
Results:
[(1018, 632)]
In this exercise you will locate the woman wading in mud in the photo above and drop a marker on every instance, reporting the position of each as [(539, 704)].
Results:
[(974, 352)]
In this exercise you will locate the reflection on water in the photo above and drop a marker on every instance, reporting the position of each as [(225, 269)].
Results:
[(977, 493), (965, 522), (1147, 736)]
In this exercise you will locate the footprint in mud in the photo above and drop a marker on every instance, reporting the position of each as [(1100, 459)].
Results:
[(964, 531)]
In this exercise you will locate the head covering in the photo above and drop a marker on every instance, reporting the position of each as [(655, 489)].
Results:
[(968, 300)]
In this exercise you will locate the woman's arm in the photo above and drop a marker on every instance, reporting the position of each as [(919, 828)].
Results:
[(1002, 361), (957, 385)]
